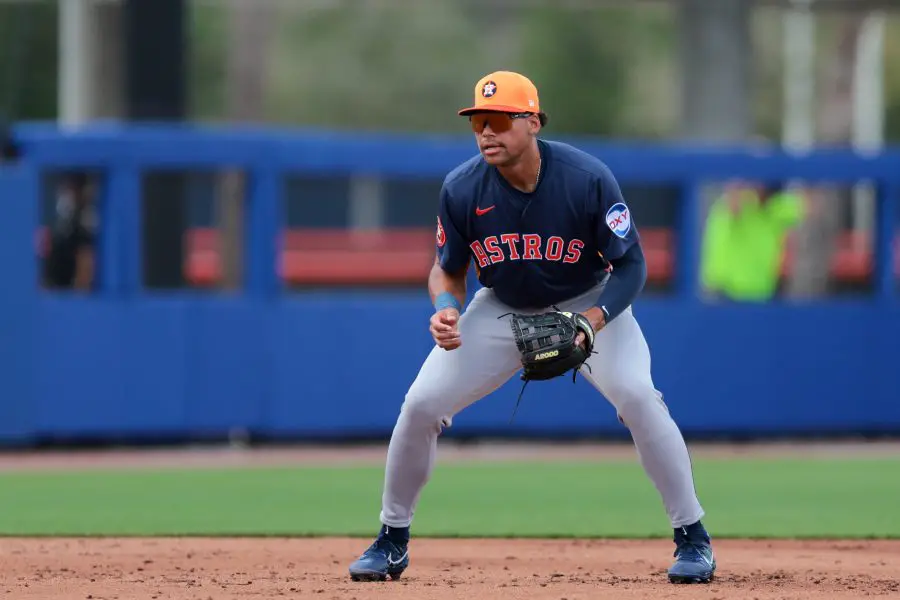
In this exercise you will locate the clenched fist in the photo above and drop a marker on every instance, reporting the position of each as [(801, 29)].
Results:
[(444, 328)]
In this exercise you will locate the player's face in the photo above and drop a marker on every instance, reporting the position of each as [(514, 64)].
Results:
[(503, 137)]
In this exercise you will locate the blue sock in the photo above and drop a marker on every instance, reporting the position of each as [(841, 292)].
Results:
[(695, 530), (398, 535)]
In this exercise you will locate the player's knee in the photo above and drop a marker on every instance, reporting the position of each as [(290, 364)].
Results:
[(423, 411), (634, 402)]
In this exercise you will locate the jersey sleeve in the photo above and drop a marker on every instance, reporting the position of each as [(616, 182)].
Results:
[(616, 231), (451, 246)]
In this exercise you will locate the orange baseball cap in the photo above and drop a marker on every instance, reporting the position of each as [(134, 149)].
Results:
[(505, 91)]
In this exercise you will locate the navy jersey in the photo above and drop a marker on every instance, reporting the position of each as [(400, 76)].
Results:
[(540, 248)]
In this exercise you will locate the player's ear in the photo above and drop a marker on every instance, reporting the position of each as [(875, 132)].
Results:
[(535, 123)]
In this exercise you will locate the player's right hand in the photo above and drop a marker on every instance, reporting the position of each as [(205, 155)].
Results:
[(445, 328)]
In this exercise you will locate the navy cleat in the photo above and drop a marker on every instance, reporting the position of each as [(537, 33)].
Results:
[(694, 558), (388, 556)]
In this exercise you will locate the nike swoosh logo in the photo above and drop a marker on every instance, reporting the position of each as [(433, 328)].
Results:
[(393, 562), (706, 559), (484, 211)]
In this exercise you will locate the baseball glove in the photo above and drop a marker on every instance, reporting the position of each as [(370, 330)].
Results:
[(547, 343)]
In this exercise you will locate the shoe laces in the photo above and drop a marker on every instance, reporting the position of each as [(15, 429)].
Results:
[(689, 551)]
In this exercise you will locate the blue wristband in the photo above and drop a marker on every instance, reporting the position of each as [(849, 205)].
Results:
[(446, 300)]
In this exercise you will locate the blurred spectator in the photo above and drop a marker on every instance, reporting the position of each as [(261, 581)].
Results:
[(70, 260), (744, 240)]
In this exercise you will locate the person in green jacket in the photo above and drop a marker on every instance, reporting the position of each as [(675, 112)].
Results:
[(744, 241)]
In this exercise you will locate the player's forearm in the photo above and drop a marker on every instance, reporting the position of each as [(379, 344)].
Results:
[(444, 287), (626, 281)]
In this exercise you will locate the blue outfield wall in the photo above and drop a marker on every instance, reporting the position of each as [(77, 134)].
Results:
[(306, 367), (125, 363)]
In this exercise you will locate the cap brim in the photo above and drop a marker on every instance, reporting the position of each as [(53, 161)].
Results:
[(477, 109)]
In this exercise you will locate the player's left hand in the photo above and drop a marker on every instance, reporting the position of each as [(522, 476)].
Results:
[(579, 339)]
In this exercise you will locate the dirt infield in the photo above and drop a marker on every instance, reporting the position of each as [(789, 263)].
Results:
[(213, 569), (216, 569)]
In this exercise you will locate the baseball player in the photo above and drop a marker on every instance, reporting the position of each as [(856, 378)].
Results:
[(547, 229)]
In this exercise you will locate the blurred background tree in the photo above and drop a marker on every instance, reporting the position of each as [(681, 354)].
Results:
[(575, 57), (609, 70), (28, 60), (892, 80)]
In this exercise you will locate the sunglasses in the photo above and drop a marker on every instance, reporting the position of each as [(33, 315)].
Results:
[(499, 122)]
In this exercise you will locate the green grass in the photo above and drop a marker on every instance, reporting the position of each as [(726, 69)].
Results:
[(743, 498)]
